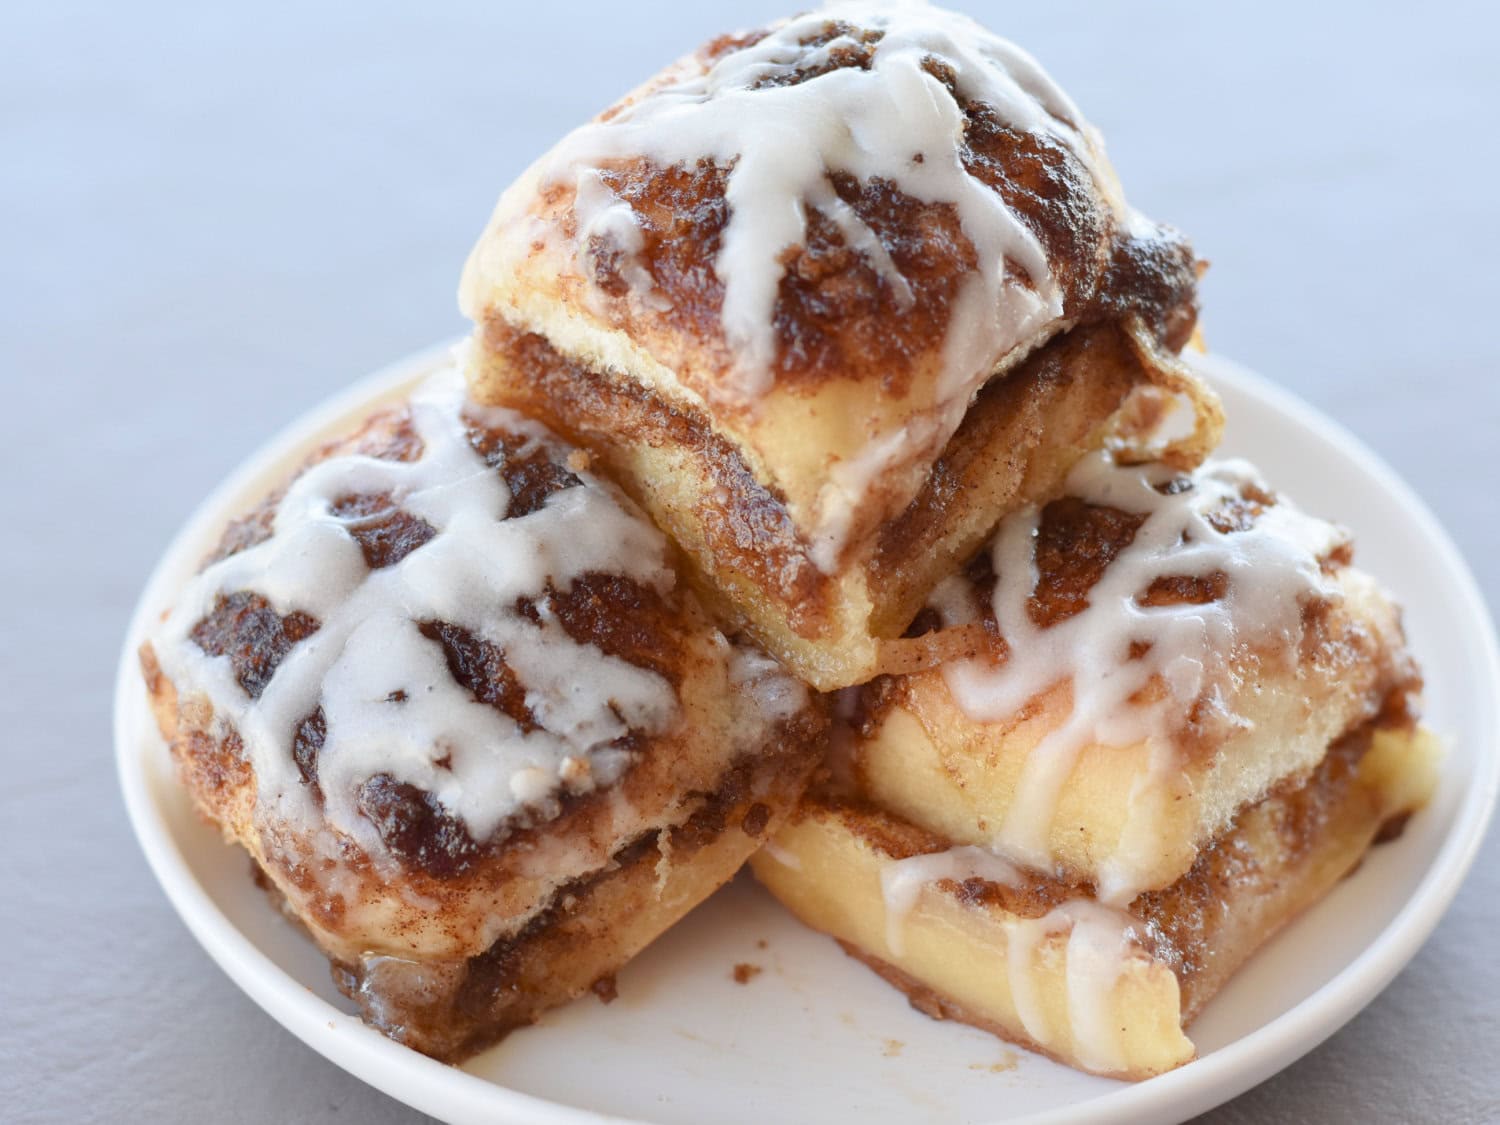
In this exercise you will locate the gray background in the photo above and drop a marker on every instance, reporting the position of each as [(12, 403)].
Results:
[(214, 218)]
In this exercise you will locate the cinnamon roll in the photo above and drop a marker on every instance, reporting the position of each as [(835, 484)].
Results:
[(1043, 963), (446, 689), (1181, 717), (1147, 654), (830, 298)]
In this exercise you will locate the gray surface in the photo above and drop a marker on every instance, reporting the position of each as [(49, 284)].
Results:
[(213, 220)]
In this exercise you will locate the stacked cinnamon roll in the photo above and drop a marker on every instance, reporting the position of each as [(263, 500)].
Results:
[(831, 359)]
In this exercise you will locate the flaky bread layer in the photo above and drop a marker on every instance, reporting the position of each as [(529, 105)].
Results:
[(923, 758), (353, 906), (1000, 955), (451, 1008), (751, 557)]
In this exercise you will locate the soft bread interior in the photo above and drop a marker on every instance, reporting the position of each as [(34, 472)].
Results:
[(1000, 954), (923, 757)]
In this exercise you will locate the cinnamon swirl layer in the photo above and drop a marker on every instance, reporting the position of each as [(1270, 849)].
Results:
[(450, 1008), (753, 562)]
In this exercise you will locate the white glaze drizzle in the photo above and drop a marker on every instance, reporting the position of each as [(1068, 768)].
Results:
[(1272, 569), (778, 697), (783, 142), (902, 881), (1101, 940), (367, 647)]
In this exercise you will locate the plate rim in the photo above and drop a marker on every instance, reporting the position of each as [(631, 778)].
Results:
[(446, 1091)]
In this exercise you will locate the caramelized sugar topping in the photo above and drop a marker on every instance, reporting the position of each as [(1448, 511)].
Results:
[(530, 473), (243, 626), (1075, 544), (481, 668), (307, 741), (623, 618), (414, 826), (385, 533)]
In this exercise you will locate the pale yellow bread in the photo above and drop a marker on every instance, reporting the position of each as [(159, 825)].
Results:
[(923, 758), (953, 947)]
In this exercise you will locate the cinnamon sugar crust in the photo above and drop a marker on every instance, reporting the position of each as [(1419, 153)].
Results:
[(755, 563), (1076, 542), (884, 320), (749, 530), (453, 1008), (836, 315), (423, 883)]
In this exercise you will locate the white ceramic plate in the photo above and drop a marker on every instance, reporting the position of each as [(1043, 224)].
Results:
[(815, 1036)]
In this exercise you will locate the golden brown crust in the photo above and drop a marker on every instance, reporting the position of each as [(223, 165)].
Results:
[(1276, 859), (437, 888), (753, 561), (836, 317), (749, 531), (451, 1009)]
